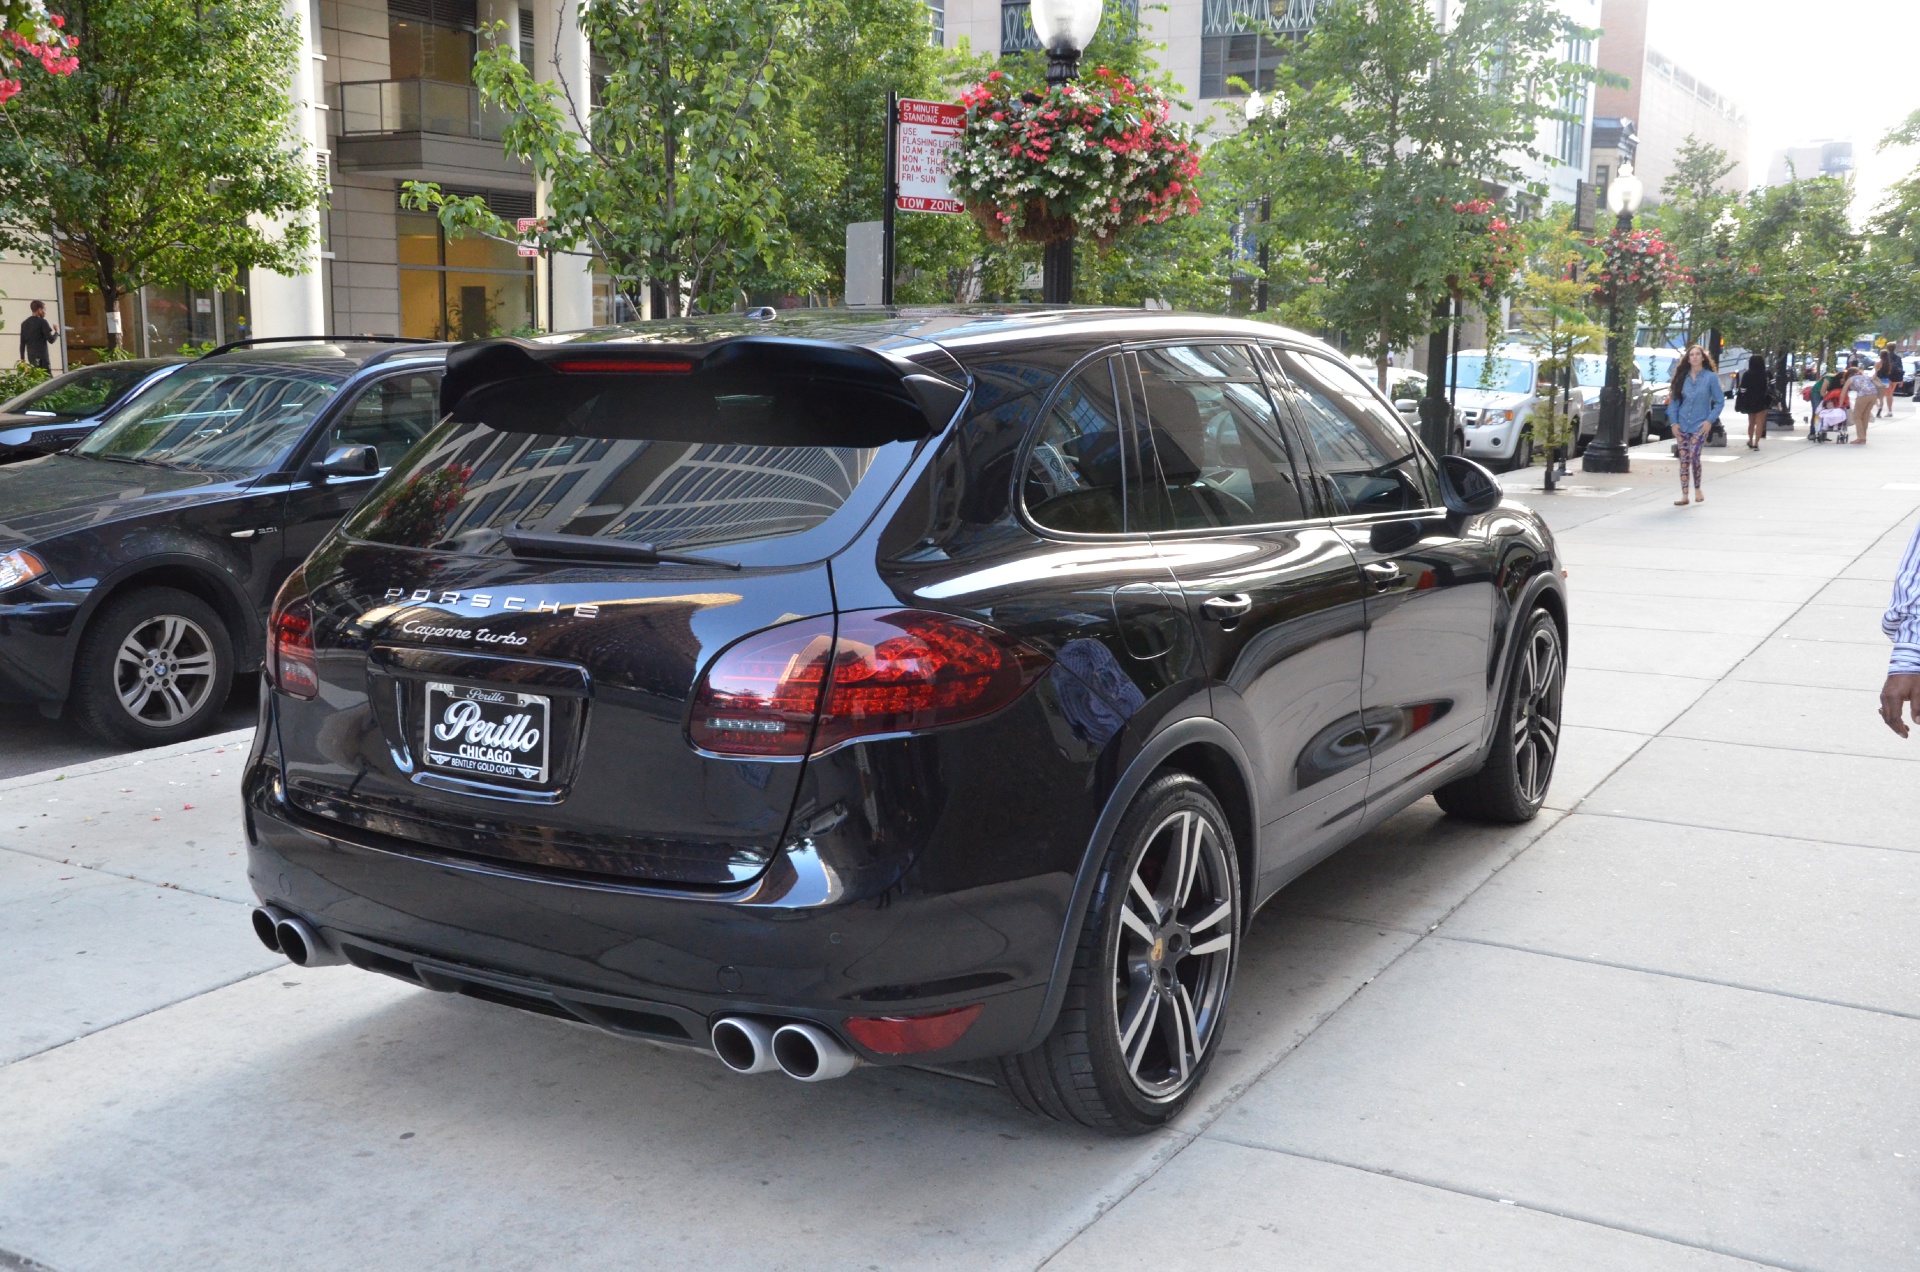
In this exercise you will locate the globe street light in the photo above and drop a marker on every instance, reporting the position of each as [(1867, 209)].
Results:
[(1064, 28), (1608, 451)]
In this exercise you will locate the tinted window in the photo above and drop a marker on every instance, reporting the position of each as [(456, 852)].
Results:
[(390, 415), (1214, 441), (1076, 474), (1359, 445), (80, 393), (217, 417)]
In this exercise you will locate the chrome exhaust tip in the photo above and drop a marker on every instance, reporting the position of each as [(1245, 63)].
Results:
[(808, 1053), (265, 920), (743, 1045), (303, 946)]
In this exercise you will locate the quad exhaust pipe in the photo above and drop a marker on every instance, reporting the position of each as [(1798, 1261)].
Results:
[(293, 936), (804, 1052)]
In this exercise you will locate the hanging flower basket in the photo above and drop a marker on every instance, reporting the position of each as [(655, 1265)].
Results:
[(1495, 250), (1091, 157), (1638, 265)]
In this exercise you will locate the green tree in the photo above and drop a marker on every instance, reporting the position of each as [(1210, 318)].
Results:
[(1387, 122), (1894, 239), (671, 175), (167, 157), (1696, 218), (1796, 276), (1553, 311), (29, 33)]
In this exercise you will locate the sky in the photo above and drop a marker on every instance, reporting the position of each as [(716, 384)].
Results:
[(1838, 69)]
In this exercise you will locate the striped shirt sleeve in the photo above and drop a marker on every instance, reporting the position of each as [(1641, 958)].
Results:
[(1902, 621)]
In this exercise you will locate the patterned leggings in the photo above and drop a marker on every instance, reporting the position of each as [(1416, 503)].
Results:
[(1690, 444)]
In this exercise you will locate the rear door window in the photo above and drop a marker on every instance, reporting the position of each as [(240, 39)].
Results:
[(1076, 475), (391, 414), (1217, 453), (1368, 459)]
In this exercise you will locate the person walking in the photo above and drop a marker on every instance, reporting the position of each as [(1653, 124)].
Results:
[(1694, 403), (1754, 398), (1865, 387), (1901, 623), (1883, 372), (36, 335), (1895, 376)]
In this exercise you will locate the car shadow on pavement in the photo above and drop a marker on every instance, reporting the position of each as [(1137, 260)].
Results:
[(31, 743)]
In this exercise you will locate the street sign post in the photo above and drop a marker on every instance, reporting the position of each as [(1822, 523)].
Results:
[(529, 225), (920, 136)]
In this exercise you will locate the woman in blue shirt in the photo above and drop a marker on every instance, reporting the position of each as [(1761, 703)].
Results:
[(1693, 406)]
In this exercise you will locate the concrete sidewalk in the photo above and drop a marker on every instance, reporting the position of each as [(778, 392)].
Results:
[(1675, 1022)]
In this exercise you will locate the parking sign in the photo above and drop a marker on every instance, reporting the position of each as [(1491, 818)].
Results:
[(928, 132)]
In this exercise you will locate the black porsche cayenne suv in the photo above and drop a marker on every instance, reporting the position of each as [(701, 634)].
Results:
[(917, 688)]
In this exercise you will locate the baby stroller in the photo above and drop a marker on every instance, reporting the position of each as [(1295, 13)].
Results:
[(1830, 421)]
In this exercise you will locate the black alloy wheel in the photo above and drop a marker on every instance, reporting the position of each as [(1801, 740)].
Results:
[(1511, 786), (155, 666), (1151, 974)]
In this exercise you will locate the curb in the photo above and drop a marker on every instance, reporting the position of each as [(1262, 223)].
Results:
[(240, 738)]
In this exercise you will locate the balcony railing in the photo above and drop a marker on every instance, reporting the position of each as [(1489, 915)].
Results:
[(1016, 24), (370, 108)]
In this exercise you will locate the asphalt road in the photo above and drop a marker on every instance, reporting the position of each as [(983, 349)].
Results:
[(30, 743)]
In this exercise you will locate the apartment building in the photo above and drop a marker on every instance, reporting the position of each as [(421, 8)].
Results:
[(1662, 105)]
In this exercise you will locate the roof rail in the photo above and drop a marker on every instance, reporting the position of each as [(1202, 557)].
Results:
[(231, 345)]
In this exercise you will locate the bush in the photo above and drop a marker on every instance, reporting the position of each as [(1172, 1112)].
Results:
[(23, 376)]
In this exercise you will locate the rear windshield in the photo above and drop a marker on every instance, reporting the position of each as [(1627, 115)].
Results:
[(467, 482), (79, 393), (216, 417)]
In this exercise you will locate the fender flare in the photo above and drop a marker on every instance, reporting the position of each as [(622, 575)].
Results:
[(1176, 736), (127, 576)]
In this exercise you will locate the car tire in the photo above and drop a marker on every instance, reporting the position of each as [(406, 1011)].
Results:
[(155, 666), (1147, 995), (1512, 784), (1522, 453)]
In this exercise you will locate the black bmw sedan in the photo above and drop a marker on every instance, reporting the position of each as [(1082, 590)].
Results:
[(136, 569), (53, 415), (916, 688)]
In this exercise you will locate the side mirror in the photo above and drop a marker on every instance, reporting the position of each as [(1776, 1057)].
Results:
[(1467, 487), (1407, 406), (350, 461)]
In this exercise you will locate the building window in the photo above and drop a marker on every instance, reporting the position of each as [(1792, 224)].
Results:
[(1246, 40), (937, 19), (463, 288), (525, 34), (429, 51), (1570, 139)]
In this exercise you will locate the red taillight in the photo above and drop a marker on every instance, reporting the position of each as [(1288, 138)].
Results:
[(892, 671), (290, 664), (905, 1035)]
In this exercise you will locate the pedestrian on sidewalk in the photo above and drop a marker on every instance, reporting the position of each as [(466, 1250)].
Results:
[(1883, 372), (36, 334), (1754, 398), (1865, 387), (1694, 403), (1896, 376), (1902, 626)]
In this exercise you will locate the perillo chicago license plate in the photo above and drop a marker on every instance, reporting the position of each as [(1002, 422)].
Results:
[(497, 733)]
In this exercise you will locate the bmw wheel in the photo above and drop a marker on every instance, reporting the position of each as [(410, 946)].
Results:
[(155, 666), (1151, 974), (1512, 784)]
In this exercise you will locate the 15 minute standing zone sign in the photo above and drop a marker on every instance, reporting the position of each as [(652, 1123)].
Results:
[(927, 133)]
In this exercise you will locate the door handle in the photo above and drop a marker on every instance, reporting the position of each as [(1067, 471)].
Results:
[(1228, 608), (1382, 574)]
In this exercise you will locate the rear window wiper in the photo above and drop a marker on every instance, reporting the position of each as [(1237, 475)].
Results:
[(579, 547)]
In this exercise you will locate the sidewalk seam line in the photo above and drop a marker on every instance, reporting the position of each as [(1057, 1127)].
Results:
[(1729, 830), (211, 989), (1681, 976), (1463, 1190), (114, 874)]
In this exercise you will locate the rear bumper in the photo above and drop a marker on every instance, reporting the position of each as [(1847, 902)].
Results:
[(664, 963)]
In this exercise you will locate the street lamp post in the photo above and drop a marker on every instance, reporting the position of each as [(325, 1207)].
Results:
[(1064, 28), (1608, 451)]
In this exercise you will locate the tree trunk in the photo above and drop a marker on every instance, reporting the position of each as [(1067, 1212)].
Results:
[(1436, 410)]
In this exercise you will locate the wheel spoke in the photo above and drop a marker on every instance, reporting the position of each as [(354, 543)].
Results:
[(176, 703), (134, 699), (1139, 1003), (1139, 888), (1550, 671), (131, 650), (1174, 875), (1528, 762), (1198, 829), (194, 665), (172, 626), (1214, 946), (1226, 908), (1186, 1029), (1135, 924), (1149, 1015)]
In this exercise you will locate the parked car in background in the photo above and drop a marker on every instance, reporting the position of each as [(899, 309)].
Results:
[(1406, 387), (1655, 369), (136, 569), (1496, 393), (958, 685), (56, 413), (1590, 377)]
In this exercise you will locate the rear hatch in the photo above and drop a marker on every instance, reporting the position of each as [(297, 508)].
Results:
[(506, 635)]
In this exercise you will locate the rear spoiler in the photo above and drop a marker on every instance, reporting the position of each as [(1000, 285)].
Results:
[(760, 390)]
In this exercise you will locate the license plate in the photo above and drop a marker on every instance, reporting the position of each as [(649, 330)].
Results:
[(487, 733)]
